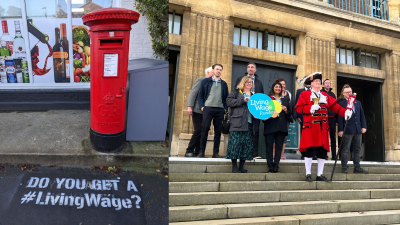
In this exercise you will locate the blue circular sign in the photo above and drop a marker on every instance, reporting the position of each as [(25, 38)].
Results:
[(261, 106)]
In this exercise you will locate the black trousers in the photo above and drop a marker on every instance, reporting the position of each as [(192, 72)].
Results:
[(194, 143), (216, 115), (256, 125), (332, 135), (278, 138)]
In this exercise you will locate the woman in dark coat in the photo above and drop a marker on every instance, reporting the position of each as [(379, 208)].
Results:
[(276, 129), (240, 144)]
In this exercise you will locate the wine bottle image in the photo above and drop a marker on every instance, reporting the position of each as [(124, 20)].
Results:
[(59, 60), (64, 42)]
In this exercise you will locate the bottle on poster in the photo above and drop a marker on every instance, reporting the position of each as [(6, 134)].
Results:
[(64, 42), (18, 70), (10, 71), (19, 43), (4, 51), (59, 59), (6, 37), (3, 75)]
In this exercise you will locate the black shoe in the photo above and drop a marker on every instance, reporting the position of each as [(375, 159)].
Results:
[(308, 178), (235, 171), (344, 170), (200, 155), (243, 171), (360, 170), (323, 178), (190, 155), (215, 155), (270, 170)]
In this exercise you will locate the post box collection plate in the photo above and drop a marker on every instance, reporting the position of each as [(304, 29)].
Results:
[(110, 65)]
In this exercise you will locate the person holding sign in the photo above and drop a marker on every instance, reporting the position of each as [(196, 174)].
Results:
[(240, 144), (314, 106), (257, 88), (276, 129)]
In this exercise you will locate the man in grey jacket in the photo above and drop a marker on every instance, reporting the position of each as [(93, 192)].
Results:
[(197, 116)]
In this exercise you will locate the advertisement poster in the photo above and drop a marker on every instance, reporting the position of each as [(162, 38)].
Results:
[(49, 50), (81, 51), (13, 59)]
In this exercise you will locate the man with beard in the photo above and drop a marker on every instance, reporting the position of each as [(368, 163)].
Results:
[(212, 102), (314, 105), (257, 88)]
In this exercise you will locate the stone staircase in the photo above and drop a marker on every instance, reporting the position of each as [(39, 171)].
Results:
[(204, 191)]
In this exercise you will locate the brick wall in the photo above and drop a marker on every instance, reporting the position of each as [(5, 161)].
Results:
[(140, 40)]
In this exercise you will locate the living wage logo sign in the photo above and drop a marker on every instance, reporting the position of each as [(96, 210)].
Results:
[(262, 106)]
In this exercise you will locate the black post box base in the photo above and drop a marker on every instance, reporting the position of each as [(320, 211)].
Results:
[(109, 143)]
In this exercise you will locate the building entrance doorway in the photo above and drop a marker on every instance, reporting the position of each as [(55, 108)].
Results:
[(369, 93), (268, 72)]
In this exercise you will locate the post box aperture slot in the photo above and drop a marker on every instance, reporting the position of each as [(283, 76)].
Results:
[(110, 65), (111, 43)]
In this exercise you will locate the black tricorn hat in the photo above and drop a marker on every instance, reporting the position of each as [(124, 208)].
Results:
[(312, 77)]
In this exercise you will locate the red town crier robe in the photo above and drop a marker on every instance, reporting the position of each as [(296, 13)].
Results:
[(312, 135)]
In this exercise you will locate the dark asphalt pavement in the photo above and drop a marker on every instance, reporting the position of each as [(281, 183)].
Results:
[(82, 195)]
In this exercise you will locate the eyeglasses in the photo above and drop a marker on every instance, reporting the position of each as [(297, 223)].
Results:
[(349, 92), (249, 82)]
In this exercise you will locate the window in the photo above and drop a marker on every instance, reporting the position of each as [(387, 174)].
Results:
[(175, 23), (277, 43), (345, 56), (247, 37), (348, 56), (369, 60)]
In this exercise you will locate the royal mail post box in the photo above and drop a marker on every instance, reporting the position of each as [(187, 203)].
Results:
[(109, 34)]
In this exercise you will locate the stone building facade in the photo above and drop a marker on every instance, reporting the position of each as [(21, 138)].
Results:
[(320, 31)]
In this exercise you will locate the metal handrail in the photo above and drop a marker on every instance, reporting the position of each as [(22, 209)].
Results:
[(374, 8)]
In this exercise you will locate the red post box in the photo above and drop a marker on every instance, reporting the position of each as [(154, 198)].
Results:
[(109, 33)]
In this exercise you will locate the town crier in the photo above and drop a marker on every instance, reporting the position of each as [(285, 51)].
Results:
[(314, 106)]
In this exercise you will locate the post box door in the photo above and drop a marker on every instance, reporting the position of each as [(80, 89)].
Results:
[(110, 82)]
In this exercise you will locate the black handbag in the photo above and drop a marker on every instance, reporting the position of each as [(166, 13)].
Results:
[(225, 124)]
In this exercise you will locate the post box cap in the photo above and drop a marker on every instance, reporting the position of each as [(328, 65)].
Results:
[(114, 14)]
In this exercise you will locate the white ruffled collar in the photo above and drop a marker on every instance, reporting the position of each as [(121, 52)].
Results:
[(322, 98)]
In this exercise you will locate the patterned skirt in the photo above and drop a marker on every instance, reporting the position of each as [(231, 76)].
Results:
[(240, 144)]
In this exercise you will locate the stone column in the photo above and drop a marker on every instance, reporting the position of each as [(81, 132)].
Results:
[(394, 7), (205, 41), (320, 57)]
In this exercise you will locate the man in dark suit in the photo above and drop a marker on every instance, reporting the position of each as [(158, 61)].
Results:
[(197, 116), (212, 101), (356, 126), (257, 88)]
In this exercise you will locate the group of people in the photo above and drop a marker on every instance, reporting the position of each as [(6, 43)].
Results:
[(209, 100)]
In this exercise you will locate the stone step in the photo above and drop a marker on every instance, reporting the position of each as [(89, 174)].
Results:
[(232, 211), (354, 218), (214, 198), (182, 187), (203, 177), (283, 168)]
